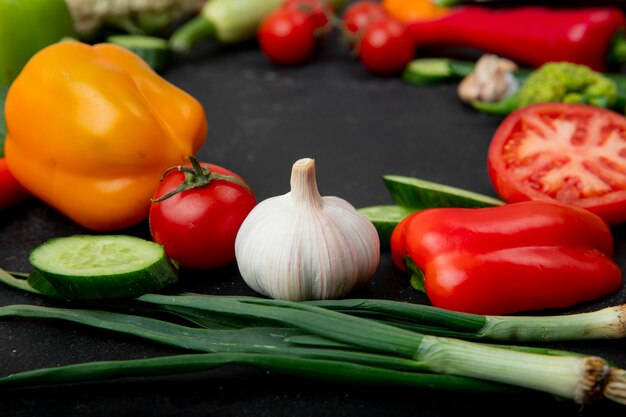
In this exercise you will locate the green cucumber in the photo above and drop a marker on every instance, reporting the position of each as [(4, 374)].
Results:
[(426, 71), (418, 194), (385, 219), (101, 266), (151, 49), (41, 284)]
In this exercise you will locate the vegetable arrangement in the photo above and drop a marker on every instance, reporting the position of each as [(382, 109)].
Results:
[(470, 253)]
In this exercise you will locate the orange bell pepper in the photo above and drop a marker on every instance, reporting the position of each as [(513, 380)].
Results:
[(407, 11), (91, 129)]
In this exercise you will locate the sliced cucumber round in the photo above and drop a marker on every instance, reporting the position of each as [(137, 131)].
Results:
[(102, 266), (39, 283), (427, 71), (385, 219), (420, 194)]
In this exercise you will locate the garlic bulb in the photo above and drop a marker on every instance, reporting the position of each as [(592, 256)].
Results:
[(301, 246)]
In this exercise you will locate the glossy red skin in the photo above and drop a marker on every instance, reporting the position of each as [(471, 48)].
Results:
[(529, 35), (520, 279), (11, 191), (512, 187), (386, 47), (316, 10), (511, 258), (359, 15), (198, 227), (287, 37)]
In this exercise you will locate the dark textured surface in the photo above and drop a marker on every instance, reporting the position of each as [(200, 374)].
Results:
[(262, 119)]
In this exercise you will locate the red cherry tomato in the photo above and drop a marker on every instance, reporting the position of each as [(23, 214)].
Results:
[(570, 153), (316, 10), (198, 227), (386, 47), (287, 36), (358, 16)]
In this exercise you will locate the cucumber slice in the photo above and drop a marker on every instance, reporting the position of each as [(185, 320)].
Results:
[(102, 266), (427, 71), (151, 49), (38, 282), (385, 219), (419, 194)]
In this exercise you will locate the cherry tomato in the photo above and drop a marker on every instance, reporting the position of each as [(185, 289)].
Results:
[(287, 36), (386, 47), (316, 10), (358, 16), (570, 153), (197, 227)]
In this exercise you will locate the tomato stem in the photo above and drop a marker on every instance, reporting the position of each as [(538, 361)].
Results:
[(197, 176)]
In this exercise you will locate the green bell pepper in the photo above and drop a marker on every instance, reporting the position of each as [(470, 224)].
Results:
[(26, 26)]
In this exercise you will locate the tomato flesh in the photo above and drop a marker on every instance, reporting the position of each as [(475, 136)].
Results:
[(570, 153)]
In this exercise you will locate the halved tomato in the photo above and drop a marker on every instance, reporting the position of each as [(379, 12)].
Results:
[(570, 153)]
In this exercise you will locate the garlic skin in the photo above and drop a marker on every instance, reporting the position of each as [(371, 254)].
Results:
[(302, 246)]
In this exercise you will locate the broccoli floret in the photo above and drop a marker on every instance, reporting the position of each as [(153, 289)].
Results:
[(569, 83)]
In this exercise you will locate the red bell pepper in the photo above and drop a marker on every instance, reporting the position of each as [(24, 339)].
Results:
[(529, 35), (11, 191), (510, 258)]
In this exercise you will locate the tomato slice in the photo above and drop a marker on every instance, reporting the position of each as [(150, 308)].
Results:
[(570, 153)]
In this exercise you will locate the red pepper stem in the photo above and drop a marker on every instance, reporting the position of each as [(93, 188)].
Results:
[(417, 275), (198, 176)]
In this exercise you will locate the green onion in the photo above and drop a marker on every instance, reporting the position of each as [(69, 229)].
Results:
[(580, 378), (325, 370), (307, 332), (607, 323)]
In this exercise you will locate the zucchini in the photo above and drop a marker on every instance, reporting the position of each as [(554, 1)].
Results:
[(101, 266), (153, 50)]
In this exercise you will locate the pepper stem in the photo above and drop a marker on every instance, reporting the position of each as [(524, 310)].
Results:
[(304, 190), (417, 275), (499, 108), (197, 176), (190, 33)]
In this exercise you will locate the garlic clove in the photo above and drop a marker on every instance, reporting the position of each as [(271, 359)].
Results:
[(302, 246)]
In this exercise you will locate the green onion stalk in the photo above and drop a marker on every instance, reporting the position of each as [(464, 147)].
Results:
[(277, 333), (606, 323)]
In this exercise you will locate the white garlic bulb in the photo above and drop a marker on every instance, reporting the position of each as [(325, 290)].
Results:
[(301, 246)]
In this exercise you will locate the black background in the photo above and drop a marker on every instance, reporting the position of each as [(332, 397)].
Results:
[(262, 119)]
